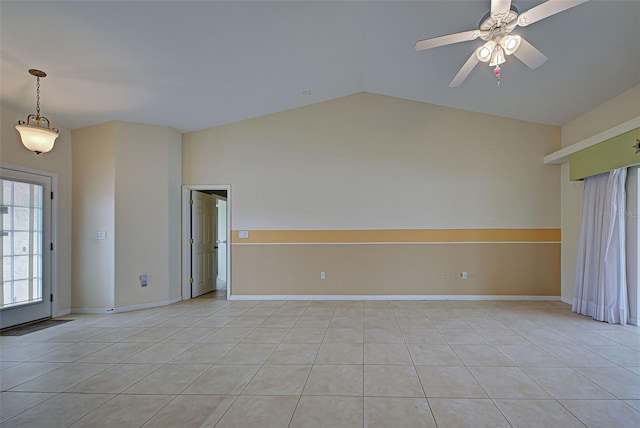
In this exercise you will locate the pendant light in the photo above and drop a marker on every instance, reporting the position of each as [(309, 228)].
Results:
[(33, 133)]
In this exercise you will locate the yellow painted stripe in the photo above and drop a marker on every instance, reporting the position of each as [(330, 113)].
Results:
[(398, 235)]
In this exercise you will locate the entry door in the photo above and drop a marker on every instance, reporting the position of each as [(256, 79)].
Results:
[(203, 243), (26, 247), (221, 242)]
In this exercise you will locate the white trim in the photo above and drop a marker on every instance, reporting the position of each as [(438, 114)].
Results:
[(390, 297), (63, 312), (125, 308), (566, 300), (395, 243), (562, 155), (186, 220), (634, 321)]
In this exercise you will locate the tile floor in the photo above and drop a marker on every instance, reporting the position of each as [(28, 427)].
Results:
[(210, 362)]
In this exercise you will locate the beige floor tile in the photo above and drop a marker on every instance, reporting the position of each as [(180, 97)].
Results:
[(124, 411), (266, 335), (633, 403), (221, 379), (214, 321), (305, 335), (529, 355), (203, 353), (191, 411), (244, 321), (485, 322), (383, 335), (391, 381), (168, 379), (335, 380), (181, 321), (24, 372), (462, 336), (603, 413), (502, 337), (482, 355), (347, 322), (629, 337), (313, 322), (344, 335), (62, 378), (537, 413), (228, 335), (7, 364), (376, 353), (153, 334), (70, 353), (14, 403), (433, 355), (190, 335), (248, 353), (622, 383), (449, 322), (419, 322), (112, 335), (159, 353), (619, 354), (279, 322), (381, 321), (584, 337), (428, 336), (335, 412), (59, 411), (286, 379), (449, 382), (507, 382), (340, 353), (577, 356), (385, 412), (456, 412), (115, 353), (565, 383), (258, 411), (115, 379), (294, 353)]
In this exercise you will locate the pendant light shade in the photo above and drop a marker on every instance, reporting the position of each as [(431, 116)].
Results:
[(36, 132)]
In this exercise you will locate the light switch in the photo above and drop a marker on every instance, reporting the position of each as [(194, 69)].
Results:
[(243, 234), (101, 235)]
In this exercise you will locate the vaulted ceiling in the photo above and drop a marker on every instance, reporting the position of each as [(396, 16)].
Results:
[(194, 65)]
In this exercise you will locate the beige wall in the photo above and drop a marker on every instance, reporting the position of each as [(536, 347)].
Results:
[(129, 177), (93, 211), (147, 182), (57, 161), (620, 109), (374, 162)]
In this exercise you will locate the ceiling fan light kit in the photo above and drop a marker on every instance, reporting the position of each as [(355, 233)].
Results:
[(36, 132), (495, 28)]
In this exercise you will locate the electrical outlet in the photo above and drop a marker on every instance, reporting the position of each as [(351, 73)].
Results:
[(322, 275), (143, 280), (447, 275), (464, 275)]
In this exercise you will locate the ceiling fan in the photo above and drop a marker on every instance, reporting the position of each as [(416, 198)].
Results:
[(495, 28)]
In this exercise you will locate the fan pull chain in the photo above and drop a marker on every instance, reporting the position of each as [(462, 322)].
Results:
[(497, 72)]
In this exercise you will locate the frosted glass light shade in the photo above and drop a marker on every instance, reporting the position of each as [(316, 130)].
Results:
[(38, 140)]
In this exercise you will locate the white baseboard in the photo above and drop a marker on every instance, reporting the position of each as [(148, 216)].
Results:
[(390, 297), (634, 321), (62, 313), (566, 300), (125, 308)]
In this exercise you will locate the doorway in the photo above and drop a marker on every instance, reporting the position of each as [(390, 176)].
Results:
[(26, 201), (206, 231)]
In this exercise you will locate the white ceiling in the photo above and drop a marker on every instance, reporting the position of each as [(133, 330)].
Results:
[(194, 65)]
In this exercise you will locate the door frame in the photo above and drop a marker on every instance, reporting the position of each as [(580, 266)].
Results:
[(186, 229), (53, 235)]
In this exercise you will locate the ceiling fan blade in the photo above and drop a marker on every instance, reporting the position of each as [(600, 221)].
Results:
[(500, 7), (449, 39), (465, 70), (546, 9), (528, 54)]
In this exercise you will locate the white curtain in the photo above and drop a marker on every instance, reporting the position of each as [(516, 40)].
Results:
[(600, 288)]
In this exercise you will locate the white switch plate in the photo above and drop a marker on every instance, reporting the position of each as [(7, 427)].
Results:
[(243, 234), (101, 236), (322, 275), (464, 275)]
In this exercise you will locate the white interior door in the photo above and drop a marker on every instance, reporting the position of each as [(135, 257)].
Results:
[(221, 242), (203, 242), (26, 247)]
